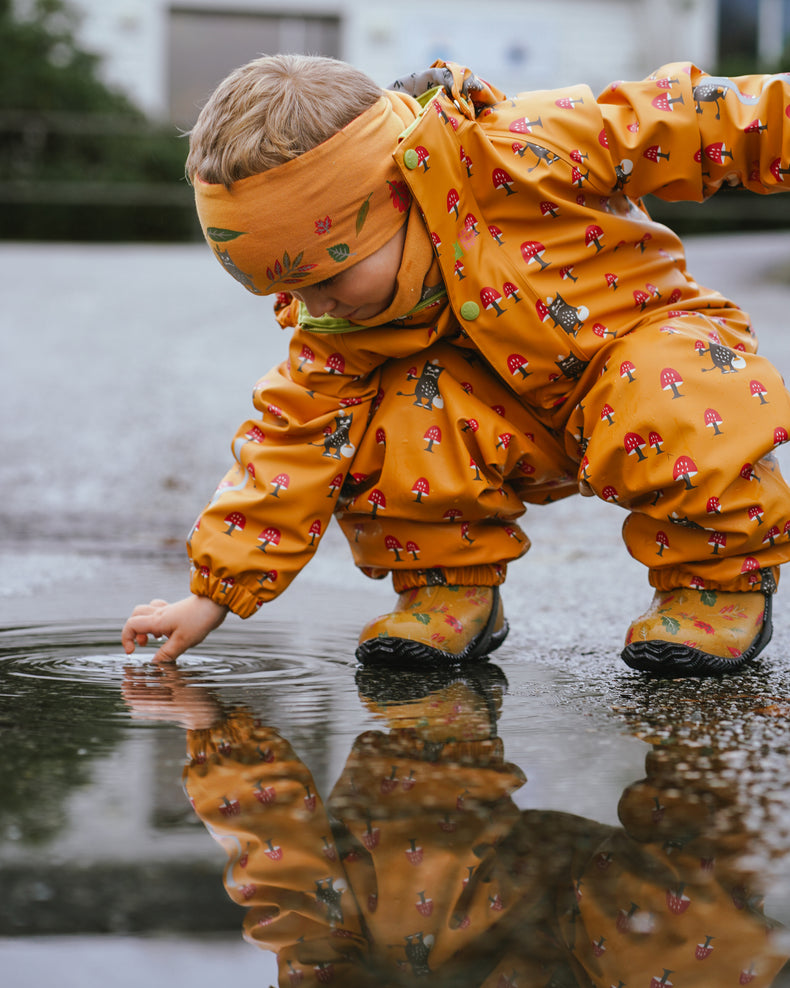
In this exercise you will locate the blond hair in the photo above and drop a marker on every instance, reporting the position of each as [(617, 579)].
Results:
[(271, 110)]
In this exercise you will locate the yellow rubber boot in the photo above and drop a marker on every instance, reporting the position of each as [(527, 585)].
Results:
[(436, 624), (688, 632)]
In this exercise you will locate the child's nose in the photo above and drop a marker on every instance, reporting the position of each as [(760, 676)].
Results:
[(317, 301)]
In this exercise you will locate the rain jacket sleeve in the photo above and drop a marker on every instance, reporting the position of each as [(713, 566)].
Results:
[(681, 134)]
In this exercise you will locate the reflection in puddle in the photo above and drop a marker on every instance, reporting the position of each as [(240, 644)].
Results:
[(419, 864), (412, 856)]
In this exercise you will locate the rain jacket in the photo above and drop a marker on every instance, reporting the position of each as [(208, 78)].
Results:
[(552, 267)]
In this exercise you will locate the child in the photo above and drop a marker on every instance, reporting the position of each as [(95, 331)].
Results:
[(484, 316)]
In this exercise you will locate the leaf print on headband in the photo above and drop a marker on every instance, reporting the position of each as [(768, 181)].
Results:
[(400, 195), (221, 236), (362, 215), (323, 226), (339, 252), (290, 272)]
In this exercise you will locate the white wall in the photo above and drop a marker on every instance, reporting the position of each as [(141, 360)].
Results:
[(517, 44)]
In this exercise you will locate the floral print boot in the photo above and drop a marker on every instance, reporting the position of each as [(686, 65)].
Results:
[(689, 632), (444, 624)]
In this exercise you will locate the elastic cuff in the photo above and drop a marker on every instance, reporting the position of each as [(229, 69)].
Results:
[(488, 575), (762, 580)]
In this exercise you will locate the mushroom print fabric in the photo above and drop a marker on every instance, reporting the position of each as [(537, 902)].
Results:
[(419, 865), (573, 351)]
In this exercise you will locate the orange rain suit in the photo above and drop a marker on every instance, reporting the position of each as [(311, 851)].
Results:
[(572, 350)]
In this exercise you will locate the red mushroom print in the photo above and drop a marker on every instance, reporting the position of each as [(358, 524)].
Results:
[(381, 437), (654, 152), (718, 540), (315, 531), (607, 412), (517, 364), (474, 467), (628, 370), (413, 549), (665, 103), (306, 356), (592, 235), (750, 565), (542, 310), (685, 468), (511, 291), (436, 243), (703, 950), (780, 435), (490, 299), (503, 440), (566, 273), (777, 171), (758, 391), (269, 536), (713, 420), (280, 483), (470, 225), (654, 440), (756, 512), (771, 535), (713, 507), (422, 157), (452, 202), (421, 488), (548, 208), (603, 331), (662, 541), (433, 436), (335, 363), (524, 126), (452, 514), (670, 379), (717, 152), (496, 233), (501, 180), (532, 250), (609, 493), (634, 443), (335, 484), (567, 103), (391, 544), (611, 280), (235, 522), (747, 472), (641, 299), (377, 501), (458, 270)]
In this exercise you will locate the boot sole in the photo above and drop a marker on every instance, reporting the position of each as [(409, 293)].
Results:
[(386, 651), (672, 660)]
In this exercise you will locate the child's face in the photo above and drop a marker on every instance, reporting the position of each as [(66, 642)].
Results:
[(362, 291)]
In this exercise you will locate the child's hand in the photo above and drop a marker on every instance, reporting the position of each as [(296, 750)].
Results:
[(184, 623)]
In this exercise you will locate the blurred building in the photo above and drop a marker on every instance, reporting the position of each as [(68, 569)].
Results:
[(169, 54)]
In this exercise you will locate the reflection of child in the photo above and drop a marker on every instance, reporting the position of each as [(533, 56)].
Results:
[(419, 863), (485, 316)]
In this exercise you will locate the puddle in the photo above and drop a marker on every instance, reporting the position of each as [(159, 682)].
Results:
[(537, 821)]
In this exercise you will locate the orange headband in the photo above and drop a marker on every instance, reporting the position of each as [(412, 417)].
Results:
[(316, 215)]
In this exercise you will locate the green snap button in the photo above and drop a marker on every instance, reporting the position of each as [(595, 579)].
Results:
[(470, 310), (411, 159)]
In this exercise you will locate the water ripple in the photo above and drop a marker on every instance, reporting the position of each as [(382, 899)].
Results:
[(79, 653)]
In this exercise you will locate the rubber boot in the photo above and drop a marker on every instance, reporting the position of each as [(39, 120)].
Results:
[(688, 632), (436, 624)]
